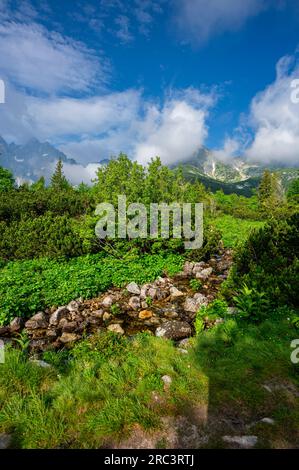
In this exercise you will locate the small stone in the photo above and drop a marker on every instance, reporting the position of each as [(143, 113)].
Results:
[(166, 379), (52, 334), (134, 302), (37, 321), (245, 442), (40, 363), (116, 328), (154, 321), (268, 421), (107, 301), (38, 345), (190, 305), (183, 351), (204, 274), (184, 343), (69, 327), (73, 306), (107, 316), (174, 330), (61, 323), (5, 441), (174, 292), (4, 331), (68, 338), (61, 312), (16, 324), (143, 291), (198, 267), (133, 288), (152, 292), (171, 314), (193, 304), (188, 267), (145, 314), (98, 313)]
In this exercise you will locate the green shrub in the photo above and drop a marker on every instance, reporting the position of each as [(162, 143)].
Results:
[(252, 304), (216, 309), (268, 265)]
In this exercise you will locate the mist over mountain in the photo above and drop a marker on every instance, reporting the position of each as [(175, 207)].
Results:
[(30, 161)]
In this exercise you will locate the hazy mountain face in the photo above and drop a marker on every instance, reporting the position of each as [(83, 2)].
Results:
[(35, 159), (32, 160)]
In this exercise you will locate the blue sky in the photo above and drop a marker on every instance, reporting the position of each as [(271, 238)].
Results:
[(152, 77)]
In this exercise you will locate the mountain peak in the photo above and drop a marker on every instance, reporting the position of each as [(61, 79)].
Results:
[(31, 160)]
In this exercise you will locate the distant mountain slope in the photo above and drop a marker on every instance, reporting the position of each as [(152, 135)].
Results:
[(238, 176), (34, 159), (31, 160)]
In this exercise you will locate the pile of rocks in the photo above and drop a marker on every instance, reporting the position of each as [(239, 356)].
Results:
[(165, 307)]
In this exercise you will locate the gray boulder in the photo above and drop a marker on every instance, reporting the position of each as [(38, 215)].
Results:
[(174, 330), (133, 288), (37, 321), (245, 442), (134, 302), (61, 312), (5, 441)]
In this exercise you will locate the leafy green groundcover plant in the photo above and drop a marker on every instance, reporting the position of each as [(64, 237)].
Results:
[(29, 286), (265, 274)]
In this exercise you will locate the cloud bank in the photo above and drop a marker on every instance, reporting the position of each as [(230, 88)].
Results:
[(270, 132)]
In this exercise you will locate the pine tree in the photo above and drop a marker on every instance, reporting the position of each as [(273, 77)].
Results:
[(39, 185), (265, 187), (58, 180), (270, 193)]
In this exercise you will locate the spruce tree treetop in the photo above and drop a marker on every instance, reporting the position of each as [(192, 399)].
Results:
[(58, 180)]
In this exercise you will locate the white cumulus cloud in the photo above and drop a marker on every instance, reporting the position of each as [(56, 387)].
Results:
[(275, 118), (47, 62)]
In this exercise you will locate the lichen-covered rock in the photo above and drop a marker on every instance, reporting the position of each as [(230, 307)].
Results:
[(198, 267), (68, 338), (69, 327), (107, 301), (174, 292), (134, 303), (204, 274), (61, 312), (74, 305), (192, 304), (188, 268), (116, 328), (143, 291), (16, 325), (37, 321), (133, 288), (174, 330)]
